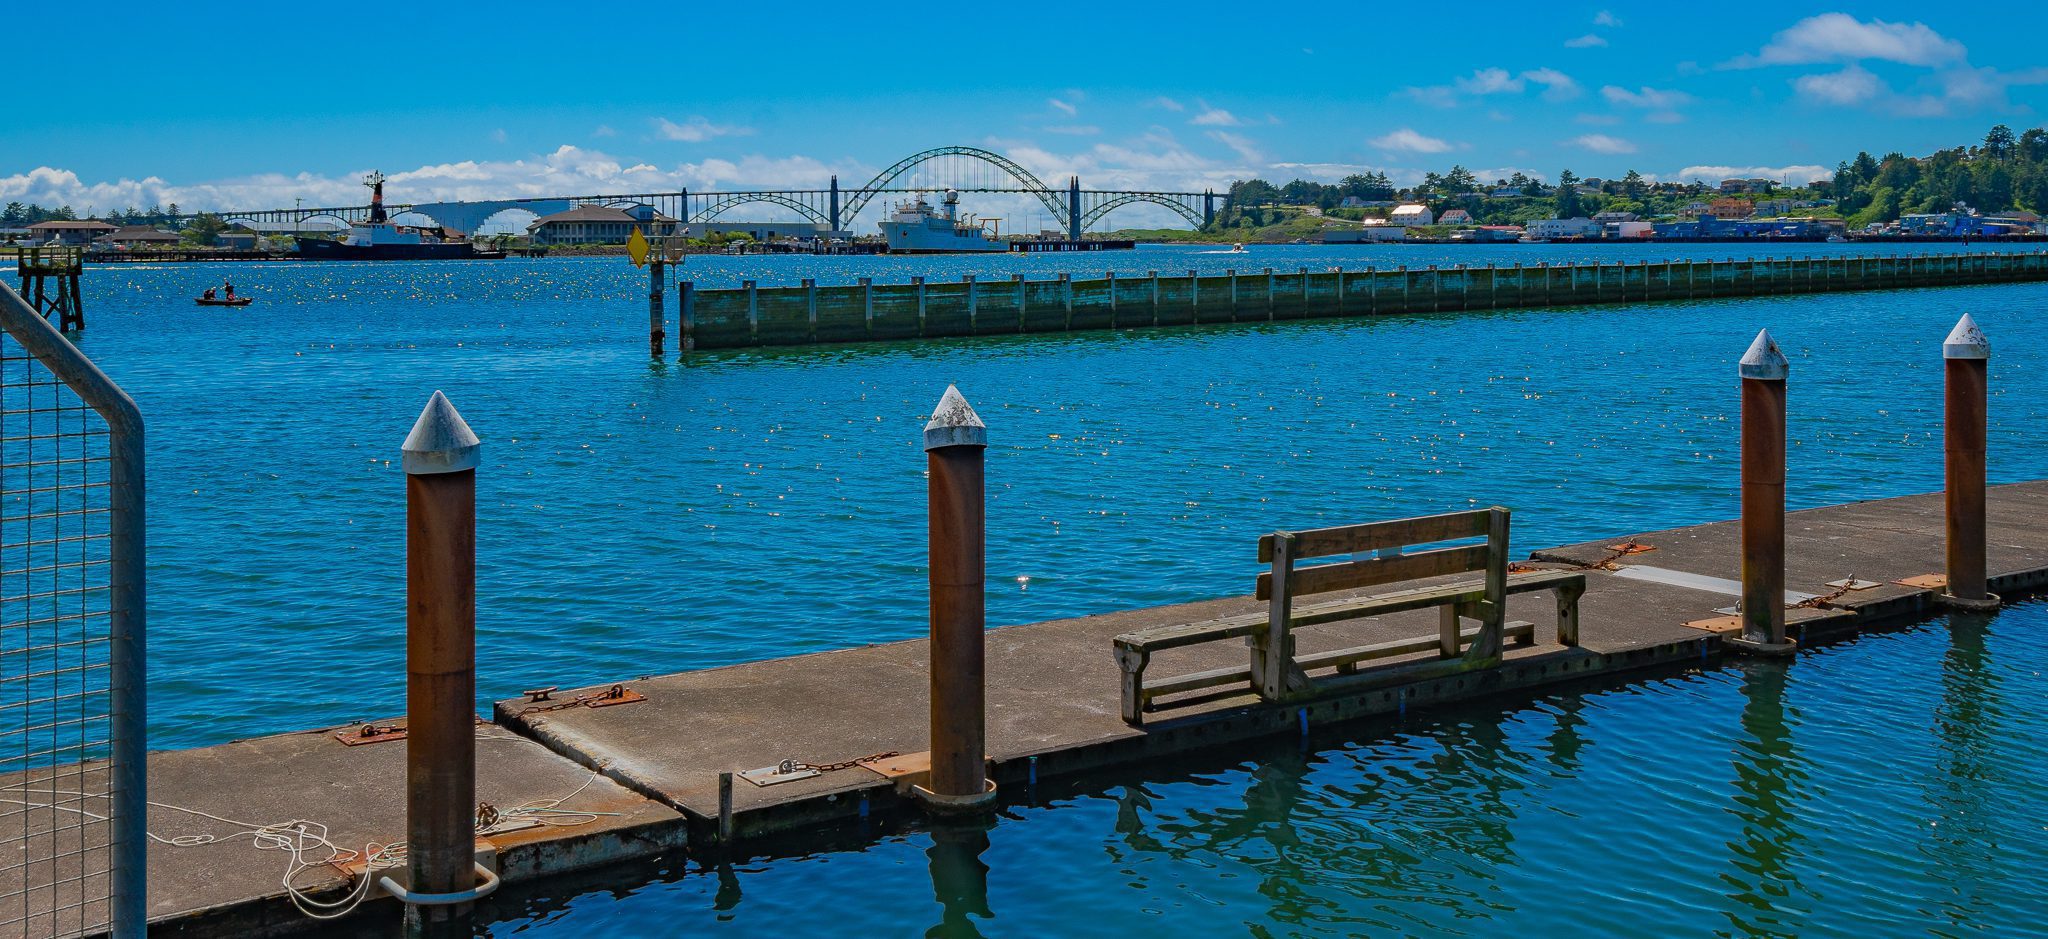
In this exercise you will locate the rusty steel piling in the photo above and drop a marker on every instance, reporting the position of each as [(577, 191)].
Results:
[(1966, 358), (440, 458), (657, 334), (955, 441), (1764, 370)]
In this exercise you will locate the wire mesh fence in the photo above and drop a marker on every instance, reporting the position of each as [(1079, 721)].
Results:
[(70, 690)]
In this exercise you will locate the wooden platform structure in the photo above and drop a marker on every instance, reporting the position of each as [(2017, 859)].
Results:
[(49, 282), (650, 770)]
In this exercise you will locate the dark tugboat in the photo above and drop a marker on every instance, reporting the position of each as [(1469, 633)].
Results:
[(377, 239)]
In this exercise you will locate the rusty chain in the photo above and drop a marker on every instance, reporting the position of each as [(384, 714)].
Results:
[(541, 694), (1815, 603), (845, 764)]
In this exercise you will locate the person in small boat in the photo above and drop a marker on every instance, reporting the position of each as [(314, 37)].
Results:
[(230, 285), (209, 293)]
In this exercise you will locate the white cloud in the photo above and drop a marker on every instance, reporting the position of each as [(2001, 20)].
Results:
[(1850, 86), (1839, 37), (1557, 86), (1604, 18), (1239, 143), (697, 130), (1406, 140), (1489, 81), (1602, 143), (1214, 117), (1167, 103), (1798, 174), (499, 136), (1646, 97), (1588, 41), (1945, 92), (604, 130), (1603, 120), (1062, 106)]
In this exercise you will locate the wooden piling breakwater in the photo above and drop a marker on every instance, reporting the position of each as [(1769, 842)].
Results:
[(752, 315)]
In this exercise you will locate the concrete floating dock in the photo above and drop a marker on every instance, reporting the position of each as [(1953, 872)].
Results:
[(653, 766), (1053, 687), (752, 315)]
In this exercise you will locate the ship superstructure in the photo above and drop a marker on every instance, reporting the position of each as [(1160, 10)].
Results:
[(918, 228)]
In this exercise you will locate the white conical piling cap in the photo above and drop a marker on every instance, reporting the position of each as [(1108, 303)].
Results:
[(955, 424), (1966, 341), (1763, 360), (440, 442)]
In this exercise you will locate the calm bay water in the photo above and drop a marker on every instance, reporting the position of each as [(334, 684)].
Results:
[(640, 518), (1761, 799)]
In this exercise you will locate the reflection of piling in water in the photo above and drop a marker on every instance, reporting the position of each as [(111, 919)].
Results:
[(959, 877), (1767, 768), (1965, 838)]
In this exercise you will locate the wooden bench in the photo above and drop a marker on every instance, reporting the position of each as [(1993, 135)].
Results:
[(1275, 673)]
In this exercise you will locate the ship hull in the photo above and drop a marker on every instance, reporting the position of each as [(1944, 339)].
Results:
[(912, 238), (310, 250)]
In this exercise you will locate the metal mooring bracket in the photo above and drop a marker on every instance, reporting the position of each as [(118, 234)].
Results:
[(785, 771), (369, 733)]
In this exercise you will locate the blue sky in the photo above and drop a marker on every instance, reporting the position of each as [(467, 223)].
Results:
[(294, 100)]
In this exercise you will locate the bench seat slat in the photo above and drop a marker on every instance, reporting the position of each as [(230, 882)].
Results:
[(1326, 578), (1372, 536), (1391, 648), (1230, 627), (1196, 681)]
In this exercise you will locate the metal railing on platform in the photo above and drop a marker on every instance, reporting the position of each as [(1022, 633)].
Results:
[(73, 785)]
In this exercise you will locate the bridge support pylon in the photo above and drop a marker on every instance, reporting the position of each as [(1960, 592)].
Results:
[(835, 205), (1074, 208)]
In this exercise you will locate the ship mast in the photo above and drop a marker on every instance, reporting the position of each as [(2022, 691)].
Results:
[(376, 183)]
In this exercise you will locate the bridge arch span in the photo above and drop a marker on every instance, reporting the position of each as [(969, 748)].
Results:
[(1095, 214), (861, 197), (714, 210)]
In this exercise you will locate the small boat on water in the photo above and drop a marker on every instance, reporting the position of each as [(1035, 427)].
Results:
[(223, 301)]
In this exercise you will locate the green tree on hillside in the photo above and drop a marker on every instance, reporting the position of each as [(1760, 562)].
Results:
[(204, 229)]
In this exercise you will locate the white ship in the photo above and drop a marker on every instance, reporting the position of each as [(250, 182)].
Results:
[(917, 228)]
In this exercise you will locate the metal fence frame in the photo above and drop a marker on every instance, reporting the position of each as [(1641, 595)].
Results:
[(127, 776)]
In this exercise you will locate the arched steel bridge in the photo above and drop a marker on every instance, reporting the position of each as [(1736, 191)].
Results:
[(966, 169)]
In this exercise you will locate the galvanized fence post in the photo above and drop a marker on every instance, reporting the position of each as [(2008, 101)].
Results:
[(49, 464)]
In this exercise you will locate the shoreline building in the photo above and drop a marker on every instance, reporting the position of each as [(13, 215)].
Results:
[(69, 232), (600, 225)]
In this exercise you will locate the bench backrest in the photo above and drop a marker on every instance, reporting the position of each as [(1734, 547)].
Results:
[(1284, 549)]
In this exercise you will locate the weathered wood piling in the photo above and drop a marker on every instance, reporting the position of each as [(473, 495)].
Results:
[(753, 315)]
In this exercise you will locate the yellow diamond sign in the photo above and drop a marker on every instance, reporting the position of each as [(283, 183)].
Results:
[(636, 248)]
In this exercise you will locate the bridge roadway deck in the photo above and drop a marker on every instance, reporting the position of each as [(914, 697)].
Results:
[(1052, 709)]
